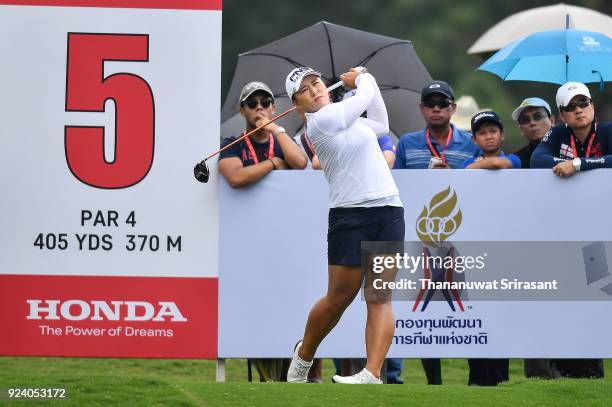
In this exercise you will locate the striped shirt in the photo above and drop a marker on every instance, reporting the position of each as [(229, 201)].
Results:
[(413, 152)]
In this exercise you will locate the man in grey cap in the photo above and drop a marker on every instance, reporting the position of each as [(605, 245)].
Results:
[(534, 118), (251, 159), (271, 148)]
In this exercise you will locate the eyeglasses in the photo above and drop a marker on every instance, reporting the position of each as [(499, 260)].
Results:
[(252, 103), (526, 119), (581, 103), (442, 103)]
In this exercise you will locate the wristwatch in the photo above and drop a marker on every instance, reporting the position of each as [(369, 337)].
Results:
[(279, 130), (576, 163)]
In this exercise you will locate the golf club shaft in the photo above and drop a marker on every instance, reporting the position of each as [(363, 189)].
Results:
[(332, 87), (285, 113)]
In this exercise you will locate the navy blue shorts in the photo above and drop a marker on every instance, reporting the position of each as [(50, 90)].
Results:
[(348, 227)]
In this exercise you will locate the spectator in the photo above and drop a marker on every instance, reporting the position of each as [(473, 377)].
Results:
[(488, 133), (439, 145), (251, 159), (534, 119), (582, 144)]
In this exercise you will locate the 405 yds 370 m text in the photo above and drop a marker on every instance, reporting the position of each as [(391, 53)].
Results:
[(105, 242)]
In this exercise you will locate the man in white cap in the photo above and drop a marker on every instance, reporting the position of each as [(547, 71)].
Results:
[(251, 159), (534, 118), (582, 144)]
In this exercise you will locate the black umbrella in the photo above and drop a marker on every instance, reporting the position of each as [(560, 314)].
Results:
[(332, 49)]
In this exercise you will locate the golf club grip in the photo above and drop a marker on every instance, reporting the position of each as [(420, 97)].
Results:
[(335, 86)]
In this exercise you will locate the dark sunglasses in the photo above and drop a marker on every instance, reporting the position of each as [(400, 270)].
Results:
[(442, 103), (526, 119), (581, 103), (252, 103)]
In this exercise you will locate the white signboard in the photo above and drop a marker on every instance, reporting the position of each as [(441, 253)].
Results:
[(273, 266), (108, 243)]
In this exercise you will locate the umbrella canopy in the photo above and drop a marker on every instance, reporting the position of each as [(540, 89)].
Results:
[(332, 49), (541, 19), (467, 107), (555, 56)]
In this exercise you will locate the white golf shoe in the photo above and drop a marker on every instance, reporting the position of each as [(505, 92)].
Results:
[(363, 377), (298, 368)]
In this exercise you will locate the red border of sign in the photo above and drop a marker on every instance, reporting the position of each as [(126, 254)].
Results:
[(153, 4)]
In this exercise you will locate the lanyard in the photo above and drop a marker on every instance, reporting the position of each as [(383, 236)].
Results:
[(588, 150), (433, 150), (252, 150)]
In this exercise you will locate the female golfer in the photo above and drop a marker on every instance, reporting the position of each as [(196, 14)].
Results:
[(364, 206)]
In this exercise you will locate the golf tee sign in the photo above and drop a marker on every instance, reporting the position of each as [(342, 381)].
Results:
[(106, 249)]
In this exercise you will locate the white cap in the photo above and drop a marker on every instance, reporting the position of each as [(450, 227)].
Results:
[(569, 90), (527, 103), (294, 79)]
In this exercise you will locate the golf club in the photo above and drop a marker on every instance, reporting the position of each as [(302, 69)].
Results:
[(201, 172)]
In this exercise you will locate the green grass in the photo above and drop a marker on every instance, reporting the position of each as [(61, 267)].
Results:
[(151, 382)]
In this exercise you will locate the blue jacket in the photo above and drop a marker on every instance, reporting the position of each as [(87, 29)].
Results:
[(555, 148)]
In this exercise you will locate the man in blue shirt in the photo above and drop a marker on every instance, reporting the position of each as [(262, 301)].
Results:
[(488, 132), (440, 144)]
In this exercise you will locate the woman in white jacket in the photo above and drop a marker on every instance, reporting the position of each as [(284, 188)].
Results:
[(364, 206)]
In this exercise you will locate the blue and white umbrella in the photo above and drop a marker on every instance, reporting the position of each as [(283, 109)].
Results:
[(555, 56)]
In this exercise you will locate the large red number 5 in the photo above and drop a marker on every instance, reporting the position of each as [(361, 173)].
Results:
[(87, 90)]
